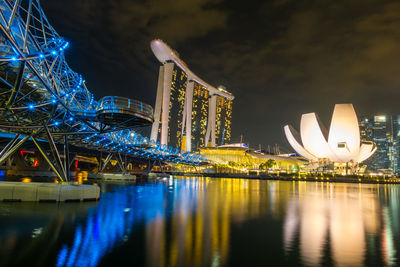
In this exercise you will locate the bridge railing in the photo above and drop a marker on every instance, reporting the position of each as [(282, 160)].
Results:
[(123, 104)]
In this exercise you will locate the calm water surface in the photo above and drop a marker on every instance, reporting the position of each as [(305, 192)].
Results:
[(209, 222)]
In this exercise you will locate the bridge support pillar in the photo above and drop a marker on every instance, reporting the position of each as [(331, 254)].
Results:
[(100, 160), (11, 147), (149, 167), (56, 155), (121, 164), (66, 158), (52, 166), (106, 161)]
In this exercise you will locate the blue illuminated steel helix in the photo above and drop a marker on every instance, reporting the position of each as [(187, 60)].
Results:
[(41, 96)]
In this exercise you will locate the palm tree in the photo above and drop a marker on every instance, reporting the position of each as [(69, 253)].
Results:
[(268, 164)]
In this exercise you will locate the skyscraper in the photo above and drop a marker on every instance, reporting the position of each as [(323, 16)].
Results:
[(200, 107), (380, 130), (189, 113), (223, 120), (366, 129), (381, 135), (396, 143)]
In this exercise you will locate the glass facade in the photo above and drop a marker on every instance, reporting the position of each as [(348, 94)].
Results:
[(383, 130), (190, 125), (396, 143), (380, 160), (366, 129), (199, 115), (176, 106), (223, 121)]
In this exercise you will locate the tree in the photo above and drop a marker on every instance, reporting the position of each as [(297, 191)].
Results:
[(268, 164), (231, 163)]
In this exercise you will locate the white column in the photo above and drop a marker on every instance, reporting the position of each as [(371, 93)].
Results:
[(189, 105), (212, 107), (157, 106), (213, 104), (185, 106), (167, 80)]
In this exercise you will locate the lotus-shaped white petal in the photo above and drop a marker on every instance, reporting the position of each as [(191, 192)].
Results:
[(342, 144), (313, 135), (366, 151), (344, 133), (294, 138)]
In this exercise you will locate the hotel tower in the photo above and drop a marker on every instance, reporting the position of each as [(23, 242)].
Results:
[(189, 113)]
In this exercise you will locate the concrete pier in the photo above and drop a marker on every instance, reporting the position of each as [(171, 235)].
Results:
[(47, 192)]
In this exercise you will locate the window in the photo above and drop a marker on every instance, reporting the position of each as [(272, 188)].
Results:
[(341, 145)]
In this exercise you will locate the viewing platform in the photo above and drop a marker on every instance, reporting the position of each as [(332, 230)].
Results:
[(124, 112)]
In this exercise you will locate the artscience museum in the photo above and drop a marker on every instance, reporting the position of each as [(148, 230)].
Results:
[(341, 144)]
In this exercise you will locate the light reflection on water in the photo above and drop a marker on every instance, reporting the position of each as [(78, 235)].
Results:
[(205, 221)]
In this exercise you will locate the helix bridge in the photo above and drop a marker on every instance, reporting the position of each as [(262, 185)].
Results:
[(42, 98)]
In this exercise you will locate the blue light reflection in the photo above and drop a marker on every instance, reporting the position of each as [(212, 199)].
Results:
[(111, 222)]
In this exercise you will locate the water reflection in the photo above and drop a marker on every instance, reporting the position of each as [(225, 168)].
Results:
[(111, 223), (29, 232), (337, 219), (199, 229), (204, 221), (186, 221)]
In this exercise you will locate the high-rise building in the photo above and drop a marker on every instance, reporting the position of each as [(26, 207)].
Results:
[(380, 130), (396, 143), (366, 129), (223, 120), (189, 113), (381, 135), (200, 107), (176, 105)]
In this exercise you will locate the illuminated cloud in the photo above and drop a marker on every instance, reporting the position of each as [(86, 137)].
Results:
[(341, 144)]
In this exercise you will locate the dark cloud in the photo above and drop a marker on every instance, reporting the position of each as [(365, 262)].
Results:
[(130, 25), (110, 39), (280, 58)]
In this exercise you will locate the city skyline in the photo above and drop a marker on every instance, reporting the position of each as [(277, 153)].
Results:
[(114, 152), (279, 55)]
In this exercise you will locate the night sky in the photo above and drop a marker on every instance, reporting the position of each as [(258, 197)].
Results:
[(279, 58)]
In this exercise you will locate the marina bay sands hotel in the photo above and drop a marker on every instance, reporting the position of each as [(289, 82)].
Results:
[(189, 113)]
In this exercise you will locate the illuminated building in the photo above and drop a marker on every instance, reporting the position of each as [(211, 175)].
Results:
[(171, 90), (382, 137), (365, 129), (240, 158), (396, 143), (189, 113), (223, 121), (384, 131), (340, 145), (199, 115)]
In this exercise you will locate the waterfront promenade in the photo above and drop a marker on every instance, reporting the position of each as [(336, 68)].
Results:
[(309, 178)]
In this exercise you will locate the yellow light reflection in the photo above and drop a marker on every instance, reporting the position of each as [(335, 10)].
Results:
[(340, 214), (202, 237)]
